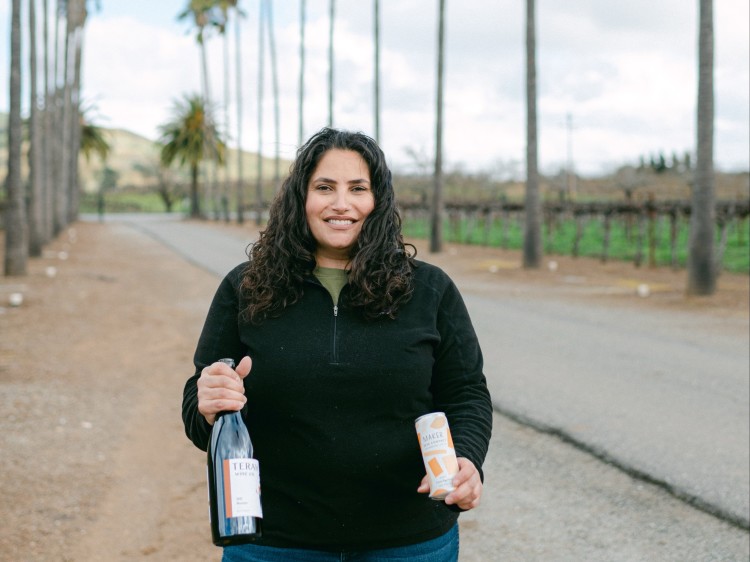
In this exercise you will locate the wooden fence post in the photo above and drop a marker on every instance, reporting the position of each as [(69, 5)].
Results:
[(579, 234), (607, 232)]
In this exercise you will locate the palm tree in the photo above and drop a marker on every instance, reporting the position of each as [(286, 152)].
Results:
[(261, 73), (16, 245), (36, 155), (302, 17), (436, 233), (64, 121), (238, 72), (331, 7), (93, 142), (224, 7), (376, 18), (92, 138), (188, 138), (204, 18), (47, 142), (701, 267), (275, 87), (221, 24), (57, 126), (77, 14), (532, 240), (200, 10)]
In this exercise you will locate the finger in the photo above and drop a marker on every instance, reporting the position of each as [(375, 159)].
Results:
[(468, 485), (244, 367), (466, 470), (424, 485), (221, 393), (466, 496), (220, 375)]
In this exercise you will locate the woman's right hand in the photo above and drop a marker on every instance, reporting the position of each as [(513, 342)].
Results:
[(220, 388)]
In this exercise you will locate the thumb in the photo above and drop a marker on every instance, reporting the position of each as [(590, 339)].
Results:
[(424, 485), (244, 367)]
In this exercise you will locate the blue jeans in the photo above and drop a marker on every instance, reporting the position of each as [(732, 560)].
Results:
[(441, 549)]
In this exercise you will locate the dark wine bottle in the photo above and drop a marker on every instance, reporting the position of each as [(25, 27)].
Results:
[(233, 481)]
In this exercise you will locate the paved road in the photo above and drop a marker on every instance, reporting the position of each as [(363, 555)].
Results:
[(651, 392)]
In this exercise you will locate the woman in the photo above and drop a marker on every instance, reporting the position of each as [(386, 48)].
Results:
[(349, 339)]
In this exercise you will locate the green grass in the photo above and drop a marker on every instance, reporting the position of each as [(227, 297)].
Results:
[(623, 240), (623, 243), (125, 202)]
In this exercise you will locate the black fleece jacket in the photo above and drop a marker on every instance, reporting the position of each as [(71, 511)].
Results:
[(332, 400)]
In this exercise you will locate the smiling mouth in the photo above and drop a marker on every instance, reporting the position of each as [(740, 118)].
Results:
[(340, 222)]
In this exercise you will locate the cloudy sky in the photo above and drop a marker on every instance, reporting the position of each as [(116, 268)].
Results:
[(616, 80)]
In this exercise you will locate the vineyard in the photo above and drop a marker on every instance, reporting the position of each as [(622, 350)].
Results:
[(652, 233)]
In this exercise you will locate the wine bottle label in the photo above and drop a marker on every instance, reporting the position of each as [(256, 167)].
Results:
[(242, 488)]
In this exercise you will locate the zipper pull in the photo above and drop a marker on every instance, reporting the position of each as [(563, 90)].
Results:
[(335, 310)]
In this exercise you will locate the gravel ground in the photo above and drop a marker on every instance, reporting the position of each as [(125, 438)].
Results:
[(95, 465)]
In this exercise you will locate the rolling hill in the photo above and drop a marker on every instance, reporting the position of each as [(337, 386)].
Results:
[(135, 159)]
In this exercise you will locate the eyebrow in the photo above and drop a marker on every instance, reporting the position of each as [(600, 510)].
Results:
[(331, 180)]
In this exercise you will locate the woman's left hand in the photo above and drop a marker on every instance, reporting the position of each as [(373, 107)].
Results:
[(468, 492)]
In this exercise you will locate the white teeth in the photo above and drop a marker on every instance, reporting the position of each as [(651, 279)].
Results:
[(337, 221)]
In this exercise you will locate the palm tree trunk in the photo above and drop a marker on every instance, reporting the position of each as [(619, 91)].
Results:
[(210, 160), (332, 7), (66, 123), (276, 110), (436, 223), (376, 18), (238, 72), (16, 244), (532, 240), (58, 138), (261, 71), (75, 107), (47, 137), (301, 129), (36, 191), (195, 201), (225, 183), (701, 267)]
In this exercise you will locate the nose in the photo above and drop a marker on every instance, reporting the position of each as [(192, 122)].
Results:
[(341, 200)]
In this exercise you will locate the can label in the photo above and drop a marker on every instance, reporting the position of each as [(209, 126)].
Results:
[(438, 453)]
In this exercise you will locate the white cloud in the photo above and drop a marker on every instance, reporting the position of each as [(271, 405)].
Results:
[(626, 72)]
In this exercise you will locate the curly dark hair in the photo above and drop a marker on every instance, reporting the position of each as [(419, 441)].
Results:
[(380, 267)]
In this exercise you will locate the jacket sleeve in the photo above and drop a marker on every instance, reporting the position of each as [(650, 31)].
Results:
[(459, 386), (219, 339)]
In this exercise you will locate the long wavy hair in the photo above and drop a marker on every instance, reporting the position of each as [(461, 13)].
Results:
[(380, 267)]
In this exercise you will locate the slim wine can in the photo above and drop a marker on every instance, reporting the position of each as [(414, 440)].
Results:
[(438, 453)]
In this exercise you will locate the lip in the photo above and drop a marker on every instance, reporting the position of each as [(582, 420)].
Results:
[(340, 222)]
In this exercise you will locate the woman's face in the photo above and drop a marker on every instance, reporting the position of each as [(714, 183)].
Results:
[(339, 199)]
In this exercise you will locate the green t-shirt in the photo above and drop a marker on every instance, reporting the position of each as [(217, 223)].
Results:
[(332, 279)]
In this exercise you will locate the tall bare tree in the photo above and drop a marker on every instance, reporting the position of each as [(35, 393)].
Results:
[(238, 77), (436, 223), (222, 23), (275, 90), (261, 73), (532, 239), (376, 24), (64, 100), (47, 137), (16, 243), (702, 270), (331, 19), (301, 100), (36, 155), (77, 14)]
